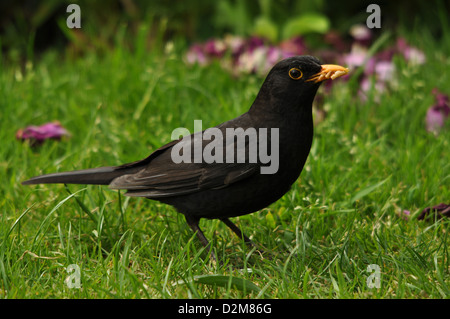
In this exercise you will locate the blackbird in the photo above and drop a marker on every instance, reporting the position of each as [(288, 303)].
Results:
[(280, 116)]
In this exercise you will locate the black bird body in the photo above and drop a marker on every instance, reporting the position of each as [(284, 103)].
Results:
[(223, 190)]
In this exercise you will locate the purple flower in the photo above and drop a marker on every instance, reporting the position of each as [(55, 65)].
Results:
[(215, 48), (384, 70), (378, 68), (441, 99), (434, 120), (438, 113), (260, 59), (234, 44), (36, 135), (252, 61), (403, 213), (411, 54), (196, 54), (386, 55), (273, 55), (356, 57), (440, 211), (254, 43), (406, 214), (251, 55), (378, 72), (276, 54)]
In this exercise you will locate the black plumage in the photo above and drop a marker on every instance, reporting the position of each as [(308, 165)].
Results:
[(220, 190)]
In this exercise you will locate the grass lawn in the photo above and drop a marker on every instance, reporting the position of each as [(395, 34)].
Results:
[(370, 161)]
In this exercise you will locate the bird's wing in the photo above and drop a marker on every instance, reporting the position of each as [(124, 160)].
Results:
[(174, 182), (162, 177)]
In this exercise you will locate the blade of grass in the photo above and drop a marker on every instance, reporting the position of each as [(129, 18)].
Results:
[(2, 265), (44, 222), (82, 205), (366, 191)]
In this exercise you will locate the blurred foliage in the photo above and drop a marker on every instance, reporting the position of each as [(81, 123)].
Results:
[(28, 27)]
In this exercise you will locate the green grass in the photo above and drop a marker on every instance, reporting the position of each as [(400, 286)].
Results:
[(369, 161)]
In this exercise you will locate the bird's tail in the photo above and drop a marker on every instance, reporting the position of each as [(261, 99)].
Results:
[(95, 176)]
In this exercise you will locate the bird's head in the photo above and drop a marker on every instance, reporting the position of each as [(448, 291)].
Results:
[(296, 79)]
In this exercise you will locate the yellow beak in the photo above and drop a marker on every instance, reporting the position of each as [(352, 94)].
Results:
[(329, 71)]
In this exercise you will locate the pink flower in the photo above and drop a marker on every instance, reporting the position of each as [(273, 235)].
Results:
[(276, 54), (411, 54), (252, 55), (355, 58), (406, 214), (260, 59), (36, 135), (215, 48), (438, 113), (235, 44), (384, 70), (378, 73), (253, 61), (196, 54), (254, 43)]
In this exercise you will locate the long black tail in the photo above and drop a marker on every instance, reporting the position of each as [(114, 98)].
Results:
[(95, 176)]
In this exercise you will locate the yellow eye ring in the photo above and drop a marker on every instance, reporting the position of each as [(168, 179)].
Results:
[(295, 74)]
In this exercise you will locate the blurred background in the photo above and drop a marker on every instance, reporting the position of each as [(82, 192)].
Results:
[(29, 27)]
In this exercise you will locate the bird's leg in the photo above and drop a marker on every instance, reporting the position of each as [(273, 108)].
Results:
[(237, 231), (240, 234), (193, 223)]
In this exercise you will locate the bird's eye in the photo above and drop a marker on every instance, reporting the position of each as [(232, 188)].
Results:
[(295, 74)]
